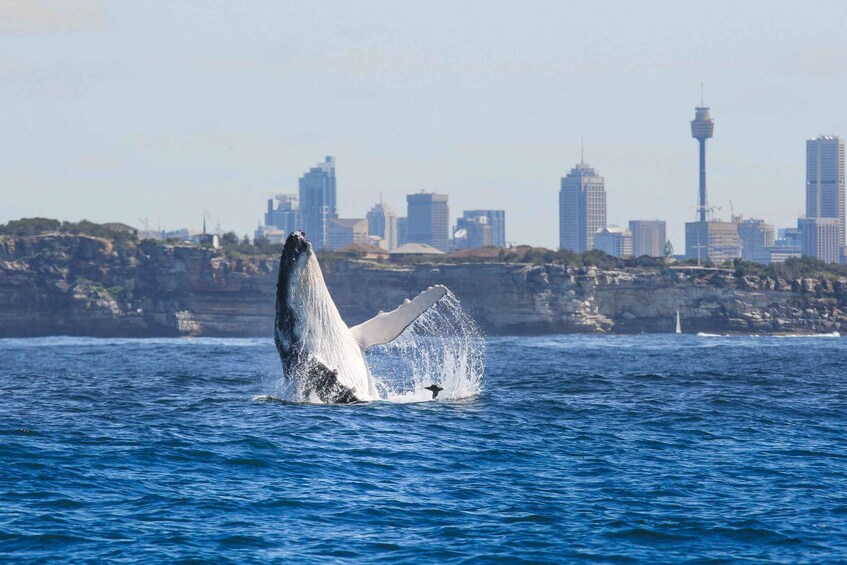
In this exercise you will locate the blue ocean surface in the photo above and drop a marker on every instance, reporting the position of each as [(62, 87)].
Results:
[(649, 448)]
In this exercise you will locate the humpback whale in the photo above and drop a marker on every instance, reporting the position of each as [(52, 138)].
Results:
[(317, 349)]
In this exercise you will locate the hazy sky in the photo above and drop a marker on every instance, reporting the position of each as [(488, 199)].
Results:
[(116, 111)]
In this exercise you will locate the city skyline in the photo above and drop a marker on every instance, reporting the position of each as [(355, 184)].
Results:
[(107, 125)]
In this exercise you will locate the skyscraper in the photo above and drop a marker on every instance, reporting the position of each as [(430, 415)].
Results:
[(472, 232), (428, 219), (756, 237), (648, 237), (496, 220), (317, 201), (382, 222), (825, 180), (819, 238), (614, 241), (283, 213), (582, 208), (402, 231), (712, 241)]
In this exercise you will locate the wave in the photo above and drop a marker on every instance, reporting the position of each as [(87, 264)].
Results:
[(830, 335), (823, 335)]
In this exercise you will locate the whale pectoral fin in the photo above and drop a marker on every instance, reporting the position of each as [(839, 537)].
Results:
[(386, 326)]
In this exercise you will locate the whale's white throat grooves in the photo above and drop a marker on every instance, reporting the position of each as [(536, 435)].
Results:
[(322, 332)]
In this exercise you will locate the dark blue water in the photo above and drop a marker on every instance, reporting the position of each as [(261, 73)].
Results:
[(645, 448)]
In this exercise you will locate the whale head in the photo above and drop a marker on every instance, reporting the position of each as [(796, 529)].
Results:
[(300, 290), (295, 253)]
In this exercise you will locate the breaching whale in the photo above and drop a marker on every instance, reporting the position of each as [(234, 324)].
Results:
[(316, 347)]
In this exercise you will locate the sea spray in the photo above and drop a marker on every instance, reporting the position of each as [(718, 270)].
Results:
[(443, 346)]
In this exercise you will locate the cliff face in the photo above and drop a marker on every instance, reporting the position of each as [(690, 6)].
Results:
[(537, 299), (80, 285)]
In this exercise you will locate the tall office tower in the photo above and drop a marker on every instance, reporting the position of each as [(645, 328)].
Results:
[(785, 246), (382, 222), (428, 220), (496, 220), (283, 213), (614, 241), (582, 208), (317, 201), (648, 237), (712, 241), (756, 238), (702, 128), (789, 237), (472, 232), (402, 231), (819, 238), (825, 180)]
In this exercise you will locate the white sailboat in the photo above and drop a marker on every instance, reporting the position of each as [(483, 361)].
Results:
[(678, 325)]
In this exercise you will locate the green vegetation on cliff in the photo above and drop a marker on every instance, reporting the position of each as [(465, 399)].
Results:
[(40, 226), (234, 248)]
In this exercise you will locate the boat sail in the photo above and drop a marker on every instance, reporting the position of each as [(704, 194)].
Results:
[(678, 325)]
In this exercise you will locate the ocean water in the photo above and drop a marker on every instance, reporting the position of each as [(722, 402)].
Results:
[(650, 448)]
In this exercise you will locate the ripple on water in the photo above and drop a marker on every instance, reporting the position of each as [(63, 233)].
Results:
[(610, 449)]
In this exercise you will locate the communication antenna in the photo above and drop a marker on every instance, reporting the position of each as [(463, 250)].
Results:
[(206, 214)]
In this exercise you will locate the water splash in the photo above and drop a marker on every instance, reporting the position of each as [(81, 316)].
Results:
[(444, 346)]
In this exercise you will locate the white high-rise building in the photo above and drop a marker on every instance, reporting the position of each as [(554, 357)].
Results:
[(382, 222), (317, 201), (283, 213), (614, 240), (825, 183), (819, 238), (582, 208), (648, 237), (756, 237), (428, 219)]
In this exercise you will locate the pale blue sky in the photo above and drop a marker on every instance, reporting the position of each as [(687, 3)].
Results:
[(124, 110)]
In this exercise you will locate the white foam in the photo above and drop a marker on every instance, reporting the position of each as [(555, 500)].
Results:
[(443, 347), (831, 334)]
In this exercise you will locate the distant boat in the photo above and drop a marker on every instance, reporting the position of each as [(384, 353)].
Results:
[(678, 325)]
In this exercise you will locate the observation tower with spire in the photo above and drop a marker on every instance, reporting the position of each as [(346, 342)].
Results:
[(702, 128), (708, 239)]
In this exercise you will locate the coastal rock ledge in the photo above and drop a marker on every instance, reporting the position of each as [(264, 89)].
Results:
[(61, 284)]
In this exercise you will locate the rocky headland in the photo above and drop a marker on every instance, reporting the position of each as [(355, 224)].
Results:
[(76, 284)]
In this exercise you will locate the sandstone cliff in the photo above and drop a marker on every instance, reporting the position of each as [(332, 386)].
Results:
[(59, 284)]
